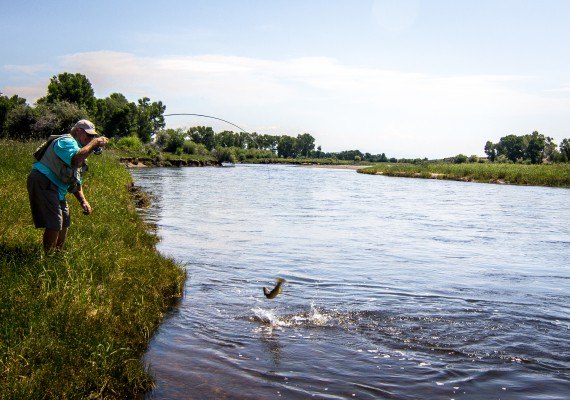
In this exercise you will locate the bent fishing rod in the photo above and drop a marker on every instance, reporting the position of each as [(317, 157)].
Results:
[(208, 116)]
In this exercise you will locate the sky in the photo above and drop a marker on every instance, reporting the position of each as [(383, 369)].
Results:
[(408, 78)]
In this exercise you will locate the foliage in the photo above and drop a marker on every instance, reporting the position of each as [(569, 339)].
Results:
[(115, 115), (305, 144), (72, 88), (224, 154), (193, 148), (534, 148), (565, 149), (541, 175), (56, 118), (149, 118), (287, 147), (6, 105), (74, 326), (460, 159), (19, 122), (203, 135), (131, 143)]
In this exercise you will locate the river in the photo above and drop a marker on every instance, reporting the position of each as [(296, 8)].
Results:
[(395, 288)]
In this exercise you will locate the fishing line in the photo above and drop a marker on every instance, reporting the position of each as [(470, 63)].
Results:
[(219, 119), (208, 116)]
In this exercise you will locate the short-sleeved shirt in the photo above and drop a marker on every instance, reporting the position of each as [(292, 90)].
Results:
[(65, 148)]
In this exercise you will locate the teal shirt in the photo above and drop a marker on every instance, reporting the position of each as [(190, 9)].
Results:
[(65, 148)]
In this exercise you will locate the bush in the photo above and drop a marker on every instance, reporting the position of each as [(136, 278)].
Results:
[(197, 149), (19, 122), (224, 154), (132, 143), (56, 118), (460, 159)]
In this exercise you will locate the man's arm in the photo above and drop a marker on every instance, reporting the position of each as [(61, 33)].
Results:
[(79, 158)]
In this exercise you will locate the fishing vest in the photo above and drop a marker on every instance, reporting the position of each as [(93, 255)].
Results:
[(66, 174)]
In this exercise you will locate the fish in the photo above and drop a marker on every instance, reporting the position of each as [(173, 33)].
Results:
[(271, 294)]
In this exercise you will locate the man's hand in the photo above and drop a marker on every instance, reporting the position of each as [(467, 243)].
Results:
[(86, 207)]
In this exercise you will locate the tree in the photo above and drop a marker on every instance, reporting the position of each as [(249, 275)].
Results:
[(512, 146), (73, 88), (7, 104), (56, 118), (225, 139), (550, 152), (460, 159), (491, 150), (535, 148), (203, 135), (19, 122), (565, 149), (149, 118), (115, 116), (287, 147), (305, 144)]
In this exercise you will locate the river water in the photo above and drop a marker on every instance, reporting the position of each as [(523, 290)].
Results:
[(395, 288)]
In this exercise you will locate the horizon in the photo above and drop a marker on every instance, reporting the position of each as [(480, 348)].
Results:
[(407, 78)]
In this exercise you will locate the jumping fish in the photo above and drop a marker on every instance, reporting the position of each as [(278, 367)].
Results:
[(276, 290)]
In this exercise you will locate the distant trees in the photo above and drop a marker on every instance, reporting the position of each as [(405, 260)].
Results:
[(534, 148)]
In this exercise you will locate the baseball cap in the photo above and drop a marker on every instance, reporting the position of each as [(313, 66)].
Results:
[(87, 126)]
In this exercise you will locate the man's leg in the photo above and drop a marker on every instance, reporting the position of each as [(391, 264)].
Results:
[(61, 239), (52, 240)]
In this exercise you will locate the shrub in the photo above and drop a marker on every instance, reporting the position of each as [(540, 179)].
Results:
[(460, 159), (224, 154), (132, 143)]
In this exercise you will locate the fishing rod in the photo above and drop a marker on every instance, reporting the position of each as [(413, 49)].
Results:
[(208, 116)]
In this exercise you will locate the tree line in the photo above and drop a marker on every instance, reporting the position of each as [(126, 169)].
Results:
[(70, 97), (534, 149)]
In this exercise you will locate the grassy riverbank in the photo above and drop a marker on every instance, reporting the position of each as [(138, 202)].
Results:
[(557, 175), (75, 325)]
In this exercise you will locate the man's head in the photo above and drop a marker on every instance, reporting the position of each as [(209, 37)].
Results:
[(87, 126)]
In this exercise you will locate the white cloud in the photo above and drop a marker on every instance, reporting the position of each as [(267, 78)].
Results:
[(342, 106)]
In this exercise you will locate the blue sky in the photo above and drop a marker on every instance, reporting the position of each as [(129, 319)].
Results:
[(410, 78)]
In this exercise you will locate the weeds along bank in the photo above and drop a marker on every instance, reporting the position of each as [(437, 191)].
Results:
[(76, 325), (555, 175)]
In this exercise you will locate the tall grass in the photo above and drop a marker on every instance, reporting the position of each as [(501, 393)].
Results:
[(75, 325), (539, 175)]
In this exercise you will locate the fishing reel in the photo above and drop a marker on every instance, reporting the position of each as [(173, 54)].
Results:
[(97, 150)]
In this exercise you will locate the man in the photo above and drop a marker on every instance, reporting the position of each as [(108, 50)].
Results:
[(58, 172)]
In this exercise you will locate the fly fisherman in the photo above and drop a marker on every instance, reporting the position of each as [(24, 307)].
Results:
[(58, 171)]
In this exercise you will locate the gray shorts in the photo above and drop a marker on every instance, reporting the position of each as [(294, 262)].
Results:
[(47, 210)]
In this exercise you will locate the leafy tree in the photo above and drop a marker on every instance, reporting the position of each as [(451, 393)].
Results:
[(56, 118), (550, 152), (512, 146), (565, 149), (491, 150), (460, 159), (7, 104), (149, 118), (305, 144), (287, 147), (73, 88), (19, 123), (115, 116), (226, 139), (535, 148), (203, 135), (349, 155)]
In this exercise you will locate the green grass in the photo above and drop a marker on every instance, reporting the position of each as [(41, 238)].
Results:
[(75, 325), (557, 175)]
